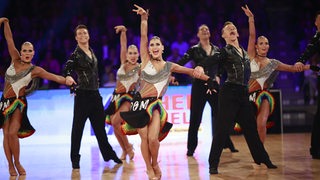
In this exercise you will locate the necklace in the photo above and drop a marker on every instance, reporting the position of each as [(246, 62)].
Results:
[(155, 59), (24, 62), (261, 55)]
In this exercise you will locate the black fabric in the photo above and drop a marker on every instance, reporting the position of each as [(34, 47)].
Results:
[(1, 120), (213, 85), (88, 105), (199, 98), (315, 136), (136, 119), (26, 129), (110, 109), (86, 69), (315, 68), (167, 127), (234, 105)]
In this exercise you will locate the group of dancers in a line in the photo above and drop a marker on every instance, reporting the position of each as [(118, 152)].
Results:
[(136, 105)]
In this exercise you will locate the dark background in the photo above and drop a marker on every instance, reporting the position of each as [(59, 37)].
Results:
[(49, 25)]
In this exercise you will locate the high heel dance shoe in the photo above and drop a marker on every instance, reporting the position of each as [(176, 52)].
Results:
[(20, 169), (12, 171), (130, 152), (151, 175), (157, 171), (123, 155)]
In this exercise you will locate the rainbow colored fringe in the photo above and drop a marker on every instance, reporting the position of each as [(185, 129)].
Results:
[(17, 103), (262, 95), (157, 104), (117, 103)]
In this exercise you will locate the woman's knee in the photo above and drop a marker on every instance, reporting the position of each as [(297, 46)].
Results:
[(116, 125), (11, 133), (143, 136), (153, 140)]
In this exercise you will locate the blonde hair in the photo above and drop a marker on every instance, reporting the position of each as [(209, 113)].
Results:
[(132, 46), (27, 43), (156, 37)]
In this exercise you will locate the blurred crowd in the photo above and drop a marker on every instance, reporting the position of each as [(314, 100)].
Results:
[(49, 26)]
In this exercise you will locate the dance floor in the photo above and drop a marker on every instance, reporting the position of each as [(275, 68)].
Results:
[(50, 161)]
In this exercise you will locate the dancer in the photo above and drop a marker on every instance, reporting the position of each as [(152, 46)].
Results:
[(87, 99), (146, 112), (312, 48), (199, 97), (264, 72), (234, 100), (127, 78), (13, 106)]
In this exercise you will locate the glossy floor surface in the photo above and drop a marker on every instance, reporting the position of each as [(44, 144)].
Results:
[(290, 152)]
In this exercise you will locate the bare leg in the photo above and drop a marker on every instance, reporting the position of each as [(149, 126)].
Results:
[(14, 140), (116, 120), (154, 144), (7, 150), (117, 133), (143, 132), (262, 120)]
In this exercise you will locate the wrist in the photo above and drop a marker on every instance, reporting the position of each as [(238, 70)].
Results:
[(144, 17)]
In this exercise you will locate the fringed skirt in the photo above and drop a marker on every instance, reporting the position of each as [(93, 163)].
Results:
[(8, 106), (140, 115), (114, 103), (256, 99)]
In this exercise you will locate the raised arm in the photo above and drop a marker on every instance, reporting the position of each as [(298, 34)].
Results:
[(14, 53), (144, 54), (123, 42), (252, 32)]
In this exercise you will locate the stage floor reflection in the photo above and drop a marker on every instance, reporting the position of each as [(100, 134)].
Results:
[(290, 152)]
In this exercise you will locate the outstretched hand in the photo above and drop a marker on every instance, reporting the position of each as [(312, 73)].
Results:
[(213, 86), (299, 66), (120, 28), (247, 11), (140, 10), (70, 81), (198, 71)]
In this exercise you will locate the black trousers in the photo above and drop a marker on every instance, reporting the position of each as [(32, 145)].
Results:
[(199, 98), (88, 104), (234, 105), (315, 134)]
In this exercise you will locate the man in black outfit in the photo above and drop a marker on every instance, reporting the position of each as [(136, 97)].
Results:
[(199, 95), (313, 48), (87, 100), (234, 102)]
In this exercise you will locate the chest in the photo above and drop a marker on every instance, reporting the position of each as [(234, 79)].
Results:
[(208, 50), (153, 67), (88, 53), (16, 70)]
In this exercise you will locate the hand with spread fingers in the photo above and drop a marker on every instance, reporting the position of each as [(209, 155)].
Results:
[(140, 10)]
